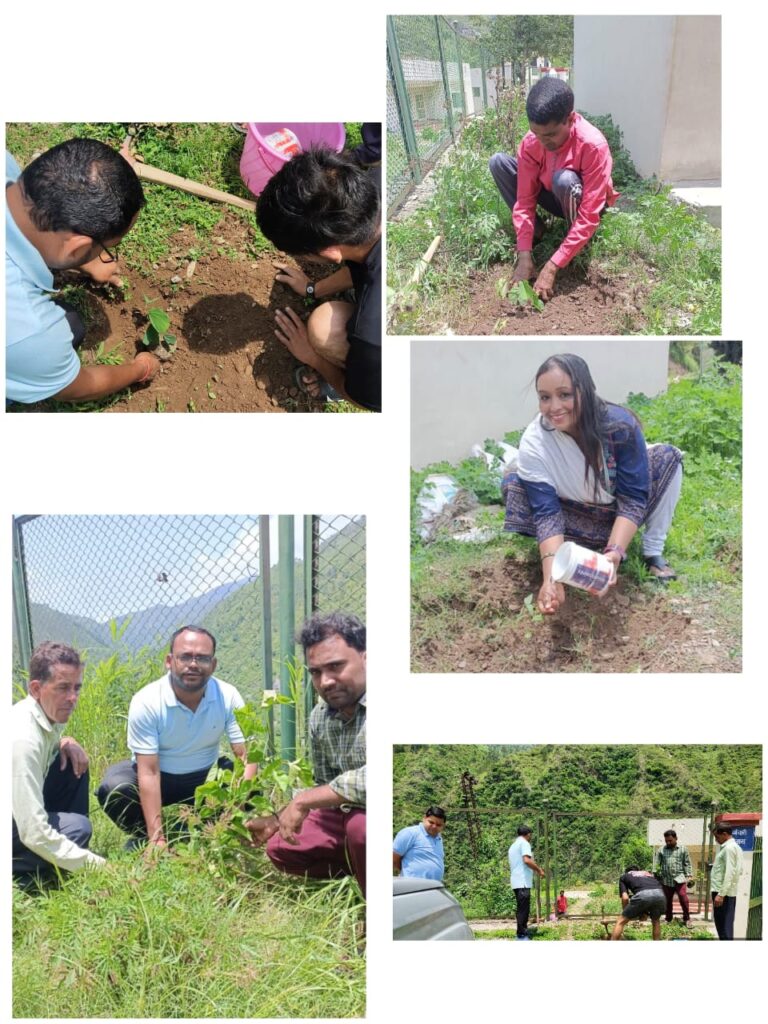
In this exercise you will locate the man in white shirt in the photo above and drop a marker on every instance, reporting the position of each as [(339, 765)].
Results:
[(49, 799), (521, 868), (175, 726), (724, 880)]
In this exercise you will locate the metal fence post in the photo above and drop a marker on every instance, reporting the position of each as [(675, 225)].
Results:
[(287, 627), (265, 582), (403, 103), (311, 547), (446, 83), (461, 74), (21, 619)]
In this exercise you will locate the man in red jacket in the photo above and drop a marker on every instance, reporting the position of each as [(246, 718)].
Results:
[(563, 165)]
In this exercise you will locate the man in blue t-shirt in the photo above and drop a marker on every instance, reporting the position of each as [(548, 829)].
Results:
[(175, 725), (418, 850), (68, 209), (521, 868)]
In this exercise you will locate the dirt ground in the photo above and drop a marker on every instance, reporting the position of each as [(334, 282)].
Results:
[(227, 357), (595, 305), (632, 629)]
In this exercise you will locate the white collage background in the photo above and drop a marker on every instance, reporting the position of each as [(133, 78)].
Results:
[(326, 61)]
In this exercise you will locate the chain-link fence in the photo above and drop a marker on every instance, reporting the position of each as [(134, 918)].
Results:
[(438, 75), (127, 582)]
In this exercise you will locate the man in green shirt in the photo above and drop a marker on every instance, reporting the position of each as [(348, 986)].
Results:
[(725, 879), (672, 866)]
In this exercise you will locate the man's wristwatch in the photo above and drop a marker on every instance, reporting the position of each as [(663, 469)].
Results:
[(310, 293)]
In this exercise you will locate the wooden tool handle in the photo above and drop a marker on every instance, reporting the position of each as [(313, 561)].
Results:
[(195, 188)]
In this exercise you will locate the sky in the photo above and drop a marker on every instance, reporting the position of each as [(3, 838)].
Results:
[(103, 566)]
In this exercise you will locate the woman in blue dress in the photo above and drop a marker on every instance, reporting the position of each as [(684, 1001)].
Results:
[(585, 473)]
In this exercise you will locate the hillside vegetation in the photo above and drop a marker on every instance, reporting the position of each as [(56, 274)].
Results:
[(522, 784)]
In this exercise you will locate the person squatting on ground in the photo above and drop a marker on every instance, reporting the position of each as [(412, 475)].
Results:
[(584, 473), (324, 205), (521, 868), (175, 725), (321, 832), (724, 880), (563, 165), (49, 789), (673, 868), (417, 851), (641, 894), (69, 208)]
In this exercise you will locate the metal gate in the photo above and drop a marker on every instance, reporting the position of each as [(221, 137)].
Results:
[(755, 916)]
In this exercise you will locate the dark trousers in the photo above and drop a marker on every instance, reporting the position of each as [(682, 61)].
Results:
[(118, 793), (331, 844), (523, 912), (65, 798), (681, 889), (564, 199), (724, 916)]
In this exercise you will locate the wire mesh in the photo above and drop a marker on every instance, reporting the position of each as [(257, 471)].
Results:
[(435, 80), (96, 582)]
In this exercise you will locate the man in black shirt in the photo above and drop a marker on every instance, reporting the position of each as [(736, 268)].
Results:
[(641, 894), (323, 204)]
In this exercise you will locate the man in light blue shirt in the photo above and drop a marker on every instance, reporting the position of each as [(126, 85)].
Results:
[(521, 867), (418, 850), (174, 728), (53, 223)]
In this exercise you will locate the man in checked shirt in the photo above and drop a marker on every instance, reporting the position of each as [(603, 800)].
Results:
[(321, 832)]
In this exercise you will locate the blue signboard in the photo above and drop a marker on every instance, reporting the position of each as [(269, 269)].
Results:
[(745, 837)]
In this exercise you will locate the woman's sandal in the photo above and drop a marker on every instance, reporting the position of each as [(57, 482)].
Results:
[(660, 563)]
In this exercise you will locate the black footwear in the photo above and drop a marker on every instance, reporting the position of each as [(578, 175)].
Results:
[(660, 563)]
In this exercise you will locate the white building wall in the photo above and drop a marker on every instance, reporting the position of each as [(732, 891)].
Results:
[(660, 78), (466, 391)]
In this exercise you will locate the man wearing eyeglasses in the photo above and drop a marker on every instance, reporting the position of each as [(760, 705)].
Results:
[(68, 209), (175, 726)]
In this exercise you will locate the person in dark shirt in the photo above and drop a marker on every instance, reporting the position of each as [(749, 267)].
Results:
[(641, 895), (324, 205)]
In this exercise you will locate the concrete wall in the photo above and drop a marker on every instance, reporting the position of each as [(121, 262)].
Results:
[(660, 79), (466, 391)]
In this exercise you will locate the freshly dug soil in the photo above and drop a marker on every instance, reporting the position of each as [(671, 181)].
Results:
[(593, 305), (632, 629), (227, 358)]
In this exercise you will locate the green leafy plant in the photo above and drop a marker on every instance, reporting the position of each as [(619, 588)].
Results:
[(520, 293), (224, 804), (157, 332)]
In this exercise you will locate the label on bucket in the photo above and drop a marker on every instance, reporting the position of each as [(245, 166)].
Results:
[(590, 577), (284, 142)]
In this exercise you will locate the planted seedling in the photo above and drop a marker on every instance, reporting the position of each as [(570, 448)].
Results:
[(156, 335), (211, 392), (520, 294)]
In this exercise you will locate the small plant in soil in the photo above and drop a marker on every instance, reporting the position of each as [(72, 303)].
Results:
[(519, 294), (156, 335)]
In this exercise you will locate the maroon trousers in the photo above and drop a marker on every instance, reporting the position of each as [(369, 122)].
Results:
[(682, 894), (331, 844)]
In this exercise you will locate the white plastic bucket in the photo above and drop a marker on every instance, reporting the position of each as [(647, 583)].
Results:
[(582, 568), (262, 159)]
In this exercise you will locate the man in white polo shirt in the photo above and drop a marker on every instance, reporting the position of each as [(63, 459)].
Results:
[(175, 726), (49, 798)]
